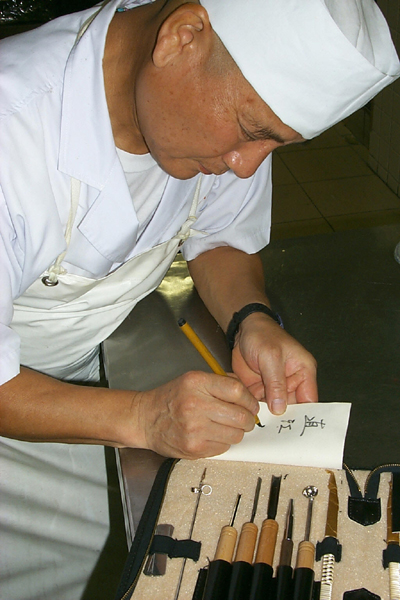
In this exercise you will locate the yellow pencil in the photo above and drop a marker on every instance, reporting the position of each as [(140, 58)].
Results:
[(205, 353)]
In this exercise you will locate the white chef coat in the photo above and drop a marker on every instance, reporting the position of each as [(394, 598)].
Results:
[(54, 125)]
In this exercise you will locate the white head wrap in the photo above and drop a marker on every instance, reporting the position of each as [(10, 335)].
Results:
[(314, 62)]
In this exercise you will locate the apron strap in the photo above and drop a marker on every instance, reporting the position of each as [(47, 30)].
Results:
[(186, 227), (89, 21), (51, 279)]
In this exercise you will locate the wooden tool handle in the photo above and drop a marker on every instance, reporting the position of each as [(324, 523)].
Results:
[(394, 579), (267, 542), (247, 543), (226, 544), (305, 556)]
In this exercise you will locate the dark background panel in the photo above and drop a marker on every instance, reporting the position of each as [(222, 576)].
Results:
[(40, 11), (339, 295)]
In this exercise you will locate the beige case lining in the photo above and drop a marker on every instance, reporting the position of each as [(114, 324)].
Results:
[(361, 564)]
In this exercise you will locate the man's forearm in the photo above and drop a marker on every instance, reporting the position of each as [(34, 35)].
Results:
[(227, 279), (195, 415), (35, 407)]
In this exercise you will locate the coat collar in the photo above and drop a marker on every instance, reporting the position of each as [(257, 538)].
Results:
[(87, 148)]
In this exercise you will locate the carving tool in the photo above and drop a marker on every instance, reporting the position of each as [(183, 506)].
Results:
[(284, 572), (269, 530), (200, 490), (205, 353), (198, 592), (304, 572), (240, 584), (329, 549), (227, 539), (262, 570), (392, 553), (219, 570)]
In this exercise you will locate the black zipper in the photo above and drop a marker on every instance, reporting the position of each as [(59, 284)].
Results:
[(370, 486)]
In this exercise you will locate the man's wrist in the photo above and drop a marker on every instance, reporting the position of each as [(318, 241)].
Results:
[(242, 314)]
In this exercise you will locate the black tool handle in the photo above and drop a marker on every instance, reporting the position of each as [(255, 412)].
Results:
[(396, 502), (261, 583), (217, 583), (240, 585), (303, 582), (198, 592), (284, 582)]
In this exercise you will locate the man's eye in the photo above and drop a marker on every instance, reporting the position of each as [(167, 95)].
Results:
[(247, 135)]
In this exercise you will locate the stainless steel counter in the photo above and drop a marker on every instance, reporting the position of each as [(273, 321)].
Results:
[(149, 349), (338, 294)]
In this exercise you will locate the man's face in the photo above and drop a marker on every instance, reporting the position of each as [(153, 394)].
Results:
[(208, 122)]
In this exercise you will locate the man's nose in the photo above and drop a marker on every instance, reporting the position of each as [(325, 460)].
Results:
[(245, 159)]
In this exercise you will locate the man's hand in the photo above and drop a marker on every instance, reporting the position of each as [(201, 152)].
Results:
[(194, 416), (273, 365)]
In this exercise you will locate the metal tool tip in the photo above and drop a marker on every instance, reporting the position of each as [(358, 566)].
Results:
[(239, 496), (289, 521), (310, 491), (256, 497), (274, 496)]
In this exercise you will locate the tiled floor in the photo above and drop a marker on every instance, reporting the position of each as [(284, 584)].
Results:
[(326, 185)]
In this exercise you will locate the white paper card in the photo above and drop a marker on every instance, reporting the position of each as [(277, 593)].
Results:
[(306, 435)]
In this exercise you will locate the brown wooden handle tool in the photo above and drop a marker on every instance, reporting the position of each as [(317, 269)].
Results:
[(247, 543), (305, 555), (226, 544), (267, 542)]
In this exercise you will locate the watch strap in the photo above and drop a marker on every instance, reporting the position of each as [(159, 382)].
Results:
[(240, 316)]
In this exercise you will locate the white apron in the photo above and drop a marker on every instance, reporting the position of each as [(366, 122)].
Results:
[(53, 509)]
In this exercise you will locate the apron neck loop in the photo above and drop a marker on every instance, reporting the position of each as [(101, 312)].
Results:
[(51, 278)]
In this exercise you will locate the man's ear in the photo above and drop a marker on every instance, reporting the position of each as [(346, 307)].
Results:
[(181, 30)]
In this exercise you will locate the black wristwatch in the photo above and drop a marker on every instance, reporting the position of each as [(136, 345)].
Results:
[(244, 312)]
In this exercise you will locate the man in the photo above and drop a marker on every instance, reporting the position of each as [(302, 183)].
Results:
[(128, 130)]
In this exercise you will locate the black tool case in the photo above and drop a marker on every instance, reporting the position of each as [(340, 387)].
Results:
[(362, 531)]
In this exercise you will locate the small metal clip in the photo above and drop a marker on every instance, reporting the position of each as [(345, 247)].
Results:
[(203, 489), (48, 282)]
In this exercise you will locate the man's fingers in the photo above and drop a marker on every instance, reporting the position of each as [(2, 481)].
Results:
[(304, 384), (197, 415), (202, 443), (231, 390), (257, 390), (275, 387), (232, 416)]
